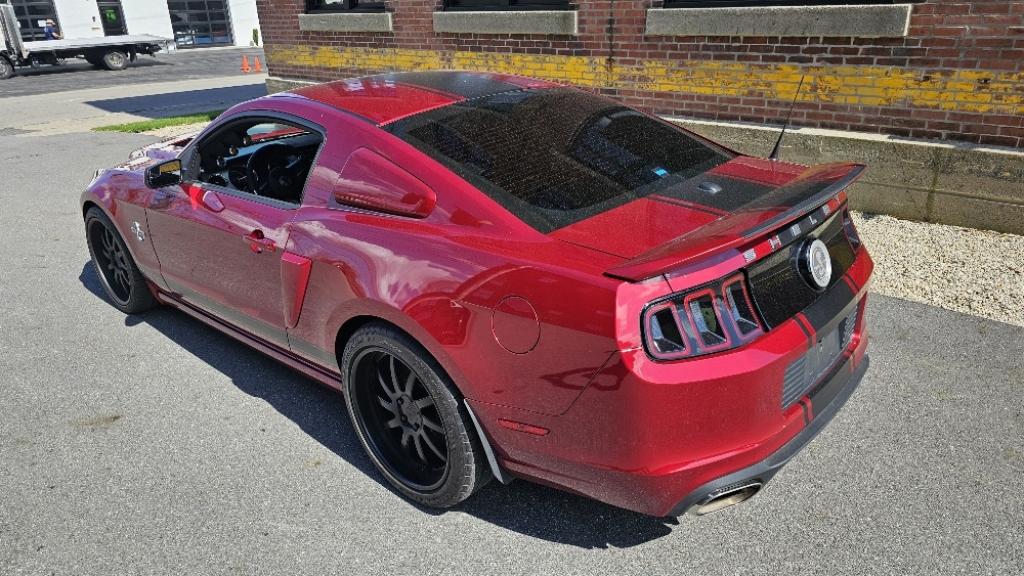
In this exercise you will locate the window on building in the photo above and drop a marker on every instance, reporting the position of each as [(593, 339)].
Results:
[(735, 3), (315, 6), (506, 4), (32, 16), (198, 23)]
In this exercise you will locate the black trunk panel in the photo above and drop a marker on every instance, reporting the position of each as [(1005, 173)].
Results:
[(777, 286)]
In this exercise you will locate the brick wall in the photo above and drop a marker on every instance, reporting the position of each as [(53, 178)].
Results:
[(958, 75)]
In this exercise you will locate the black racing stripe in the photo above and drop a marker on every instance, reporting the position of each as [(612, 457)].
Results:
[(807, 412), (731, 195), (800, 196), (800, 324), (778, 287), (829, 306), (825, 393), (686, 204), (465, 84)]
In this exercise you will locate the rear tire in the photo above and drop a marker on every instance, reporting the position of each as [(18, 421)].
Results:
[(124, 284), (115, 60), (409, 418), (6, 68)]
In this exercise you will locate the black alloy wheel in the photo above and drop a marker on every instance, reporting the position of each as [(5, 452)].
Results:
[(121, 279), (401, 420), (112, 262), (409, 420)]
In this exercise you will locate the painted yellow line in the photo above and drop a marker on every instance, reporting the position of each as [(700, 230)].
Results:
[(957, 90)]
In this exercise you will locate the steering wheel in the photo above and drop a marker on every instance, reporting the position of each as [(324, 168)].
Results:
[(271, 173)]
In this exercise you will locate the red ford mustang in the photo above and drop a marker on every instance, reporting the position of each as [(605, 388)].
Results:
[(509, 278)]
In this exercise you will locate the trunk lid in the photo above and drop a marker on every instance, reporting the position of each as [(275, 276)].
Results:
[(708, 215)]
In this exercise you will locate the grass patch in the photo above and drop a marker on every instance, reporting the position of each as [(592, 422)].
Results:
[(155, 123)]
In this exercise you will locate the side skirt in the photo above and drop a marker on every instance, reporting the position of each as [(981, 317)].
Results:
[(286, 357), (311, 370)]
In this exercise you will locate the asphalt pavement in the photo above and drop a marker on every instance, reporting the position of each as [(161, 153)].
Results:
[(77, 74), (152, 444), (82, 110)]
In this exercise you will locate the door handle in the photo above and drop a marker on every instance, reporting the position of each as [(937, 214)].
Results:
[(258, 242)]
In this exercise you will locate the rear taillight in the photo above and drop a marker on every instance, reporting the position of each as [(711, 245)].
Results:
[(665, 332), (702, 321), (851, 230), (742, 309)]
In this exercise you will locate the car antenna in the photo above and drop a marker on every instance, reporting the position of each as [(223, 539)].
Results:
[(789, 116)]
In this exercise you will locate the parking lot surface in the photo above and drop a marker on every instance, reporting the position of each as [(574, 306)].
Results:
[(153, 445), (78, 74)]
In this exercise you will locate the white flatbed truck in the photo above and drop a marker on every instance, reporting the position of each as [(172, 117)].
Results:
[(110, 52)]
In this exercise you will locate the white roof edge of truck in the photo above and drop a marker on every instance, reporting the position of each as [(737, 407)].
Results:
[(47, 45)]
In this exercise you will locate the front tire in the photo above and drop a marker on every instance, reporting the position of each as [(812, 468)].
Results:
[(121, 279), (408, 418)]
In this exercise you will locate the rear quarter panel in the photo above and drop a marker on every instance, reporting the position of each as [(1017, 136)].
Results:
[(441, 279)]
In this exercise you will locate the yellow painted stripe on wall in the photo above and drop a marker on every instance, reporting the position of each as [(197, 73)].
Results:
[(956, 90)]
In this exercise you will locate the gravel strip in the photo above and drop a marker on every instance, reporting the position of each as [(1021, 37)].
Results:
[(977, 272)]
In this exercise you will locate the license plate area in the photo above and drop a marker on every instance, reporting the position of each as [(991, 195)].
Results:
[(826, 352), (806, 370)]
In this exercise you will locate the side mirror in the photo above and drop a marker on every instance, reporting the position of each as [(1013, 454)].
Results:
[(372, 182), (164, 174)]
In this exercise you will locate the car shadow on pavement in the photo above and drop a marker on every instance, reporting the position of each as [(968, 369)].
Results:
[(524, 507), (158, 105)]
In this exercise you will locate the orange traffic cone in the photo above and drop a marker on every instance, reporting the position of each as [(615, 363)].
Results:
[(256, 67), (245, 64)]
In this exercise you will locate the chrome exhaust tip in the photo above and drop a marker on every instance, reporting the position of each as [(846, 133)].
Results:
[(726, 497)]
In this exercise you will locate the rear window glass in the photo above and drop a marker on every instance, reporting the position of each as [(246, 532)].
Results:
[(557, 156)]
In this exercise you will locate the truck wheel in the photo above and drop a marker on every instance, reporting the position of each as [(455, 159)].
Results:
[(6, 68), (115, 60)]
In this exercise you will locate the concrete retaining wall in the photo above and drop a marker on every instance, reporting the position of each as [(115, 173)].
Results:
[(960, 184)]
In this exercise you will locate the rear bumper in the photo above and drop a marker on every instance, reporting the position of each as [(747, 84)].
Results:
[(659, 449), (658, 437), (842, 385)]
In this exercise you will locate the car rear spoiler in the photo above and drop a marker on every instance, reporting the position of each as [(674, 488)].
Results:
[(768, 212)]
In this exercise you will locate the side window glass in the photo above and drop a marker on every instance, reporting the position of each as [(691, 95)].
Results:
[(264, 158)]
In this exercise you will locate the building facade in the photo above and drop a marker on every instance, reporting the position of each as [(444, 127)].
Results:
[(192, 23), (929, 93)]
